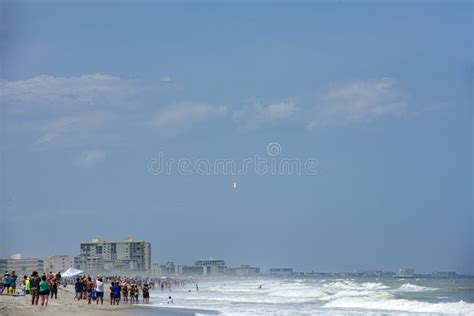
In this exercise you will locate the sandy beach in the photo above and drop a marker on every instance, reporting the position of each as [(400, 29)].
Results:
[(67, 306), (64, 305)]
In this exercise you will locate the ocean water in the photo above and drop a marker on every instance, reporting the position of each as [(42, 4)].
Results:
[(314, 296)]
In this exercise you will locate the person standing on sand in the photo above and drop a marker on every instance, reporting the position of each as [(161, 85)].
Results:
[(116, 291), (125, 292), (7, 282), (111, 289), (13, 283), (34, 286), (44, 291), (54, 288), (99, 290), (84, 290), (78, 286), (27, 285), (146, 294), (132, 293), (22, 285), (89, 287), (137, 294)]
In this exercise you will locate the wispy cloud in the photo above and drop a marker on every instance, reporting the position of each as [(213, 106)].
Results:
[(257, 115), (360, 101), (93, 123), (92, 89), (91, 158), (167, 79), (180, 117), (70, 128)]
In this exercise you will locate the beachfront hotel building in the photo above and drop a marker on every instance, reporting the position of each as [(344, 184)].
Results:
[(124, 256)]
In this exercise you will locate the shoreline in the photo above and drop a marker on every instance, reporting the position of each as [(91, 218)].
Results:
[(153, 310)]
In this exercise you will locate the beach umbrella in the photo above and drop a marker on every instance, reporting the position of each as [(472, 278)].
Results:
[(71, 272)]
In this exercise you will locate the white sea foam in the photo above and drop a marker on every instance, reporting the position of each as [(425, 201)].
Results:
[(408, 287), (351, 285), (314, 297), (403, 305)]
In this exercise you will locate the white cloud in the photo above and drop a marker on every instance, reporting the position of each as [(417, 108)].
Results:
[(360, 101), (92, 89), (167, 79), (90, 158), (258, 115), (66, 128), (180, 117)]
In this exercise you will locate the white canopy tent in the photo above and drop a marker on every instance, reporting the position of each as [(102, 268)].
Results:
[(71, 272)]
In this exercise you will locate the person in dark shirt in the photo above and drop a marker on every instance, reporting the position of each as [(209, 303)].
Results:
[(78, 286), (146, 294), (58, 277), (54, 288), (13, 283), (34, 287)]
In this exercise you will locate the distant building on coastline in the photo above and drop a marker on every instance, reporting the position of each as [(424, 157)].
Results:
[(59, 263), (89, 264), (191, 270), (22, 266), (211, 266), (169, 268), (281, 271), (156, 270), (406, 273), (444, 275), (246, 270), (373, 273), (115, 256)]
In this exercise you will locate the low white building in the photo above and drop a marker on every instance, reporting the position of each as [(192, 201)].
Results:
[(281, 271), (22, 266), (58, 263), (406, 272), (246, 270)]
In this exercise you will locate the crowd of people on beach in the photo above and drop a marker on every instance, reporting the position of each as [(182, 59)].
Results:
[(38, 287), (123, 290)]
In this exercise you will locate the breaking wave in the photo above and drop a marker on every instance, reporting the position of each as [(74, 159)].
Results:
[(408, 287), (403, 305)]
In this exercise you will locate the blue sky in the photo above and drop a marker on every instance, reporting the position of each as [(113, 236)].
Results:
[(379, 94)]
